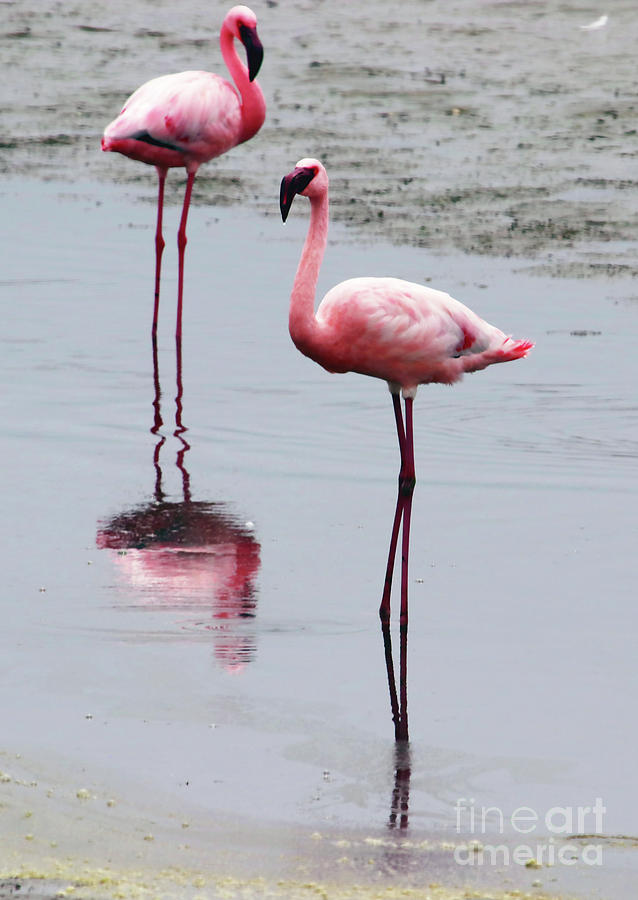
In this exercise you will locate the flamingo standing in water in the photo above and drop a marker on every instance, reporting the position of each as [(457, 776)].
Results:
[(188, 118), (404, 333)]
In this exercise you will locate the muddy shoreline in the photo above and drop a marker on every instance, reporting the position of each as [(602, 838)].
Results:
[(499, 128)]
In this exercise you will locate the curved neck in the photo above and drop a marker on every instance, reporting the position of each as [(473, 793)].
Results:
[(303, 326), (253, 105)]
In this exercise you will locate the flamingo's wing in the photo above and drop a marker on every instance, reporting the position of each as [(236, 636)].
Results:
[(196, 113), (403, 332), (391, 316)]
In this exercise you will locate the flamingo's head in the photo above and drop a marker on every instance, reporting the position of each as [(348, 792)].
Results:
[(308, 178), (242, 23)]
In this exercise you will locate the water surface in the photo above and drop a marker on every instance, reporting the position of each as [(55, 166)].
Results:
[(242, 674), (194, 555)]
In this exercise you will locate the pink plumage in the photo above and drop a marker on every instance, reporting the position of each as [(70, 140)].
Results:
[(177, 120), (191, 117), (405, 333)]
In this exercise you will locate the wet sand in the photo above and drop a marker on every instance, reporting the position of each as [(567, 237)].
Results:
[(497, 139), (60, 840)]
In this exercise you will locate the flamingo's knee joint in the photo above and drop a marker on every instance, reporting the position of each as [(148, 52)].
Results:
[(406, 485)]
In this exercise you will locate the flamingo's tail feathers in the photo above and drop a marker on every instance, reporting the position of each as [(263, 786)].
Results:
[(503, 350), (512, 349), (507, 350)]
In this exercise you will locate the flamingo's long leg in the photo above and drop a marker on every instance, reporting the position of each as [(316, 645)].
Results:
[(401, 731), (157, 409), (392, 685), (384, 609), (159, 245), (181, 247), (398, 418), (384, 612), (407, 489)]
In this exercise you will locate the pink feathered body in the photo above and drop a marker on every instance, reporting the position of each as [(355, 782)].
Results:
[(197, 112), (405, 333)]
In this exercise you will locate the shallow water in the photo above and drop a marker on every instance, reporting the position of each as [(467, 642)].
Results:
[(240, 672), (189, 616)]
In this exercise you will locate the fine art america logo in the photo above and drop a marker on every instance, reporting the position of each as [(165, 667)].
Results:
[(548, 835)]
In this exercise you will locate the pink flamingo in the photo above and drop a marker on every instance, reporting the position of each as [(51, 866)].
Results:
[(404, 333), (188, 118), (187, 553)]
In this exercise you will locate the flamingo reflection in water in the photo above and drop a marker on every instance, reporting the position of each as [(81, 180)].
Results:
[(399, 805), (188, 554)]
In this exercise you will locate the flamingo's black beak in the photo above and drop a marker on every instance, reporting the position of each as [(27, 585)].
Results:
[(293, 183), (254, 49)]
